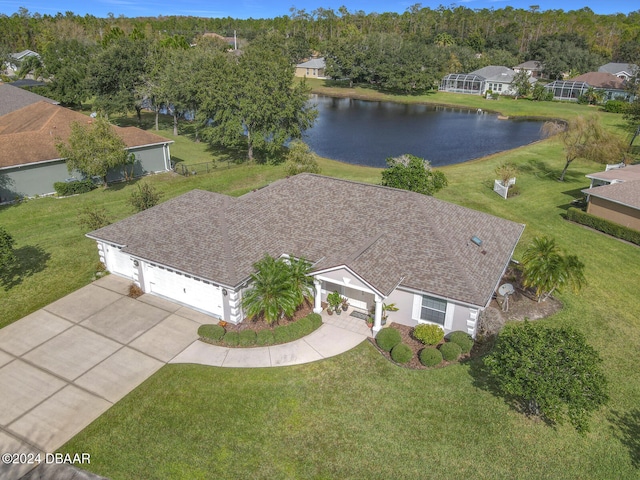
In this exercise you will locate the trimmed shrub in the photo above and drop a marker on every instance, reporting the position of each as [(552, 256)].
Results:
[(463, 339), (388, 338), (430, 357), (64, 189), (281, 334), (264, 338), (513, 191), (401, 353), (615, 106), (231, 339), (305, 326), (247, 338), (316, 320), (450, 351), (428, 334), (296, 330), (212, 332), (605, 226)]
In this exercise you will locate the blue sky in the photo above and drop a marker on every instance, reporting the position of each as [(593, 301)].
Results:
[(273, 8)]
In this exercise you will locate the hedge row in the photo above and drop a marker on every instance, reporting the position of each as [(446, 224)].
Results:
[(605, 226), (64, 189), (248, 338)]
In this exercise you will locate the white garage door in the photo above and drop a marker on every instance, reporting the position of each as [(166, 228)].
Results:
[(186, 290), (118, 262)]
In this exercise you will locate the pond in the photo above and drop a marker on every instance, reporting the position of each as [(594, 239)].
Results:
[(366, 133)]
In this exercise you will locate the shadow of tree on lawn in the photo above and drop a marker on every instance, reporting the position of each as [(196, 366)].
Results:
[(30, 260), (626, 428), (482, 379)]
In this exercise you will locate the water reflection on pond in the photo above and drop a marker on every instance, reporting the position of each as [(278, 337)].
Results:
[(366, 133)]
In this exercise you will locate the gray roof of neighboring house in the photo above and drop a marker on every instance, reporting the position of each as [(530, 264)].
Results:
[(624, 174), (494, 73), (530, 65), (623, 193), (615, 68), (14, 98), (24, 53), (384, 235), (313, 63)]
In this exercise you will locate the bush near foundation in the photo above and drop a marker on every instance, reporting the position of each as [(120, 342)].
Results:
[(388, 338), (211, 332), (450, 351), (401, 353), (430, 357), (463, 339)]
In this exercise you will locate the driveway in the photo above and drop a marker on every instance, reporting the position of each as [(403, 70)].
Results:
[(64, 365)]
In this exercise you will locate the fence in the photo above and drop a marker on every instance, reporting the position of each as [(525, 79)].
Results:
[(502, 190), (205, 167)]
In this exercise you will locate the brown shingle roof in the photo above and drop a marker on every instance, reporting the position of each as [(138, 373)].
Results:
[(14, 98), (601, 80), (624, 174), (29, 135), (386, 236), (625, 193)]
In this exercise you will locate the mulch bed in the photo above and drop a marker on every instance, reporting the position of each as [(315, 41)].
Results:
[(416, 346), (259, 323)]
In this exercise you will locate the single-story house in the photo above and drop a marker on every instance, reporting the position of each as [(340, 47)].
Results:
[(616, 202), (615, 195), (623, 71), (313, 68), (437, 262), (532, 67), (13, 98), (611, 86), (492, 78), (15, 59), (30, 163)]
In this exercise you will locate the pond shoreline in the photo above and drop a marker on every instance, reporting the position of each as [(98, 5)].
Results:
[(444, 150)]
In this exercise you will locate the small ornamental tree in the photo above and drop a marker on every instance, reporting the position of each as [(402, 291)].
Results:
[(93, 149), (7, 256), (521, 84), (547, 269), (146, 196), (548, 372), (409, 172), (300, 159)]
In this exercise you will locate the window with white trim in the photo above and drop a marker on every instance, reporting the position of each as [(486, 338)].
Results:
[(433, 310)]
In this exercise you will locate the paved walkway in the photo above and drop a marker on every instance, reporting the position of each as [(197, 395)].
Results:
[(64, 365)]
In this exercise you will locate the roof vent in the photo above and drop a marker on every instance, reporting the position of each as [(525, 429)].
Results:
[(476, 240)]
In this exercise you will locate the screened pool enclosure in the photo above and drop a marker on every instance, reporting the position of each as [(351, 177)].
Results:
[(567, 89), (462, 83)]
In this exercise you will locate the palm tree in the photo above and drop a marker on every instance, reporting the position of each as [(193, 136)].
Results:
[(546, 269), (272, 294), (301, 281)]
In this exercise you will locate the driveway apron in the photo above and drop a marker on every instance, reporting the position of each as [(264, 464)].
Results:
[(64, 365)]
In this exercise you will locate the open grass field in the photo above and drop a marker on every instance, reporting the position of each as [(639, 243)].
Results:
[(356, 415)]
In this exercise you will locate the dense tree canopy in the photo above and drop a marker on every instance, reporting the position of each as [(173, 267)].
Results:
[(549, 372), (93, 149)]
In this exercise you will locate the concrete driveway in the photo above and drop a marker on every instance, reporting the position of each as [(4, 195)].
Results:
[(64, 365)]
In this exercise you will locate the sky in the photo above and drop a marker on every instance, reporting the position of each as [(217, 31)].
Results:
[(275, 8)]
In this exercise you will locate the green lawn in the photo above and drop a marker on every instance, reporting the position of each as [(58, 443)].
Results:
[(357, 416)]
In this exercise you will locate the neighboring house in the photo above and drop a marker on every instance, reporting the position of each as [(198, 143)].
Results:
[(16, 59), (532, 67), (623, 71), (615, 195), (615, 174), (30, 163), (13, 98), (492, 78), (313, 68), (437, 262), (611, 86)]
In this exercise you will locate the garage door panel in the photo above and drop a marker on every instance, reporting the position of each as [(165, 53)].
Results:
[(118, 262), (186, 290)]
